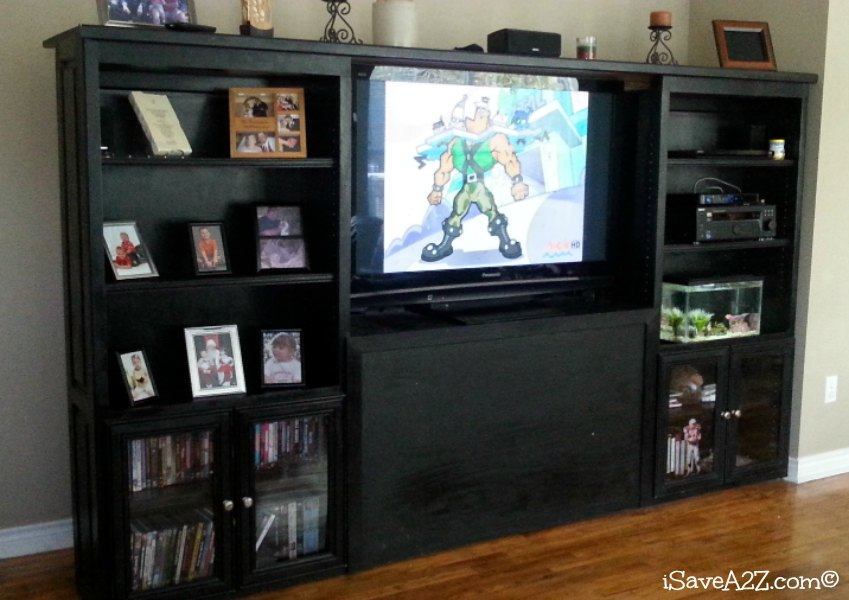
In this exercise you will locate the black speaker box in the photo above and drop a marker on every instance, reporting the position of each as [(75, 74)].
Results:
[(526, 43)]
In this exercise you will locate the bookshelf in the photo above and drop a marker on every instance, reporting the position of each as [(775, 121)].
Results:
[(399, 451)]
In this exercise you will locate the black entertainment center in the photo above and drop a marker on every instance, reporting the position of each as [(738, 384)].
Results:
[(442, 406)]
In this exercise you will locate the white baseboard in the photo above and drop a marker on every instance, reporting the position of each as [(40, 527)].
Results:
[(818, 466), (36, 538)]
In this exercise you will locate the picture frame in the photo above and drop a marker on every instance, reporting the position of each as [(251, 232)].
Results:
[(215, 361), (137, 377), (268, 123), (145, 13), (126, 252), (209, 254), (744, 45), (281, 245), (282, 364)]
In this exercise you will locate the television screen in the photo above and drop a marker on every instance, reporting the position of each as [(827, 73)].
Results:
[(474, 171)]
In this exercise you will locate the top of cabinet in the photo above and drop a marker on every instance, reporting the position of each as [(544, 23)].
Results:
[(417, 56)]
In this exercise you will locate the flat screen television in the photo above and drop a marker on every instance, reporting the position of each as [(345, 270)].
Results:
[(472, 184)]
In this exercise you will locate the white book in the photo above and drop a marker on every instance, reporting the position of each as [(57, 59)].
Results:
[(269, 521), (160, 124)]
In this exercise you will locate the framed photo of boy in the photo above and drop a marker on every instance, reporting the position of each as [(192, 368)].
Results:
[(282, 254), (128, 256), (209, 248), (282, 358), (145, 13), (215, 361), (137, 377)]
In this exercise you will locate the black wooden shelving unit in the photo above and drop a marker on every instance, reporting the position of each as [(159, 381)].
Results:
[(409, 453)]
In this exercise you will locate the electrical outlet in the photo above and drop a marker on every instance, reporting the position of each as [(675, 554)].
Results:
[(831, 389)]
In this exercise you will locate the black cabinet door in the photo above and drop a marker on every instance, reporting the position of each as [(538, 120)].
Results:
[(291, 492), (692, 422), (173, 519), (760, 388)]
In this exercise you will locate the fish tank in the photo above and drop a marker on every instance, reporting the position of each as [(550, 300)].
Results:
[(710, 309)]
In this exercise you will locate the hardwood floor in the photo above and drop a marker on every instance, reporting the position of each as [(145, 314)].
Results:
[(789, 530)]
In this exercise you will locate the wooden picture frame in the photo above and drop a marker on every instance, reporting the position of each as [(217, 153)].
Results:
[(197, 260), (112, 13), (267, 123), (267, 370), (744, 45), (148, 387)]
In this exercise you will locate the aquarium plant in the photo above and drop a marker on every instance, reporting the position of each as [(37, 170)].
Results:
[(674, 318), (700, 319)]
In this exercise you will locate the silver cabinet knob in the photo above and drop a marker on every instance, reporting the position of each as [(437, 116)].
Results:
[(247, 501), (228, 505), (726, 415), (738, 413)]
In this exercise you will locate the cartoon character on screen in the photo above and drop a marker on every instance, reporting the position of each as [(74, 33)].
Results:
[(693, 436), (473, 156)]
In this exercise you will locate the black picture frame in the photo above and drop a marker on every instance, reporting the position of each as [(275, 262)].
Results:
[(227, 270), (274, 333), (108, 19), (294, 234), (119, 358)]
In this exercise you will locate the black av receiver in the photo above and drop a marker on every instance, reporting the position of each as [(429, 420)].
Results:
[(690, 220)]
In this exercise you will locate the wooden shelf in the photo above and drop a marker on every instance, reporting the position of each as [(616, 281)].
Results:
[(127, 287), (730, 161), (278, 163), (724, 246)]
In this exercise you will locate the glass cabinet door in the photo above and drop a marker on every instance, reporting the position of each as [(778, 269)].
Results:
[(290, 521), (173, 483), (692, 428), (759, 384)]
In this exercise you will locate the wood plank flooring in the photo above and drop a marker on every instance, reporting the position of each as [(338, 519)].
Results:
[(789, 530)]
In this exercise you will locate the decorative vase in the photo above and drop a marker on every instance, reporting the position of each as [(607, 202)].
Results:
[(394, 23)]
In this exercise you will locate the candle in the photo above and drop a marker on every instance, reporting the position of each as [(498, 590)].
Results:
[(586, 47), (661, 18)]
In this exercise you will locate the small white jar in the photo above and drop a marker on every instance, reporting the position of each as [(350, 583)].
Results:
[(394, 23)]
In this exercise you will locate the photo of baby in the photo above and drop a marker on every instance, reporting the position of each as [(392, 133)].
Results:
[(127, 255), (282, 253), (137, 376), (282, 358)]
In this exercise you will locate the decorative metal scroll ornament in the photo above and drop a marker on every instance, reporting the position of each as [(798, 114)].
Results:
[(338, 29), (660, 53)]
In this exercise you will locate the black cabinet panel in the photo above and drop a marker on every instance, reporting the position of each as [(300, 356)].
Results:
[(475, 440)]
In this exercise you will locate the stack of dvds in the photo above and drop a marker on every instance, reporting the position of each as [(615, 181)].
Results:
[(295, 440), (170, 459), (173, 549), (288, 530)]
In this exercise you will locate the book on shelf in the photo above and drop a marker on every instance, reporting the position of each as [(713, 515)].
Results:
[(172, 549), (294, 440), (158, 462), (160, 124)]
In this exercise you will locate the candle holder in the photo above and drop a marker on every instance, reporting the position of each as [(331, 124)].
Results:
[(660, 53), (338, 9)]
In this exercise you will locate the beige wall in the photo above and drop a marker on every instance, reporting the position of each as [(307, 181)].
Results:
[(34, 480)]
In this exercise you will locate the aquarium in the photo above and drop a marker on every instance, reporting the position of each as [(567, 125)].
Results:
[(704, 310)]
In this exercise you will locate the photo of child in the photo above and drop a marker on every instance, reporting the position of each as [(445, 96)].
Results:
[(126, 252), (215, 361), (287, 102), (146, 12), (278, 221), (137, 376), (209, 249), (282, 358), (282, 253)]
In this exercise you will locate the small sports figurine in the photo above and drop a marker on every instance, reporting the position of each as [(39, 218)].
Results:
[(256, 18), (693, 435)]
